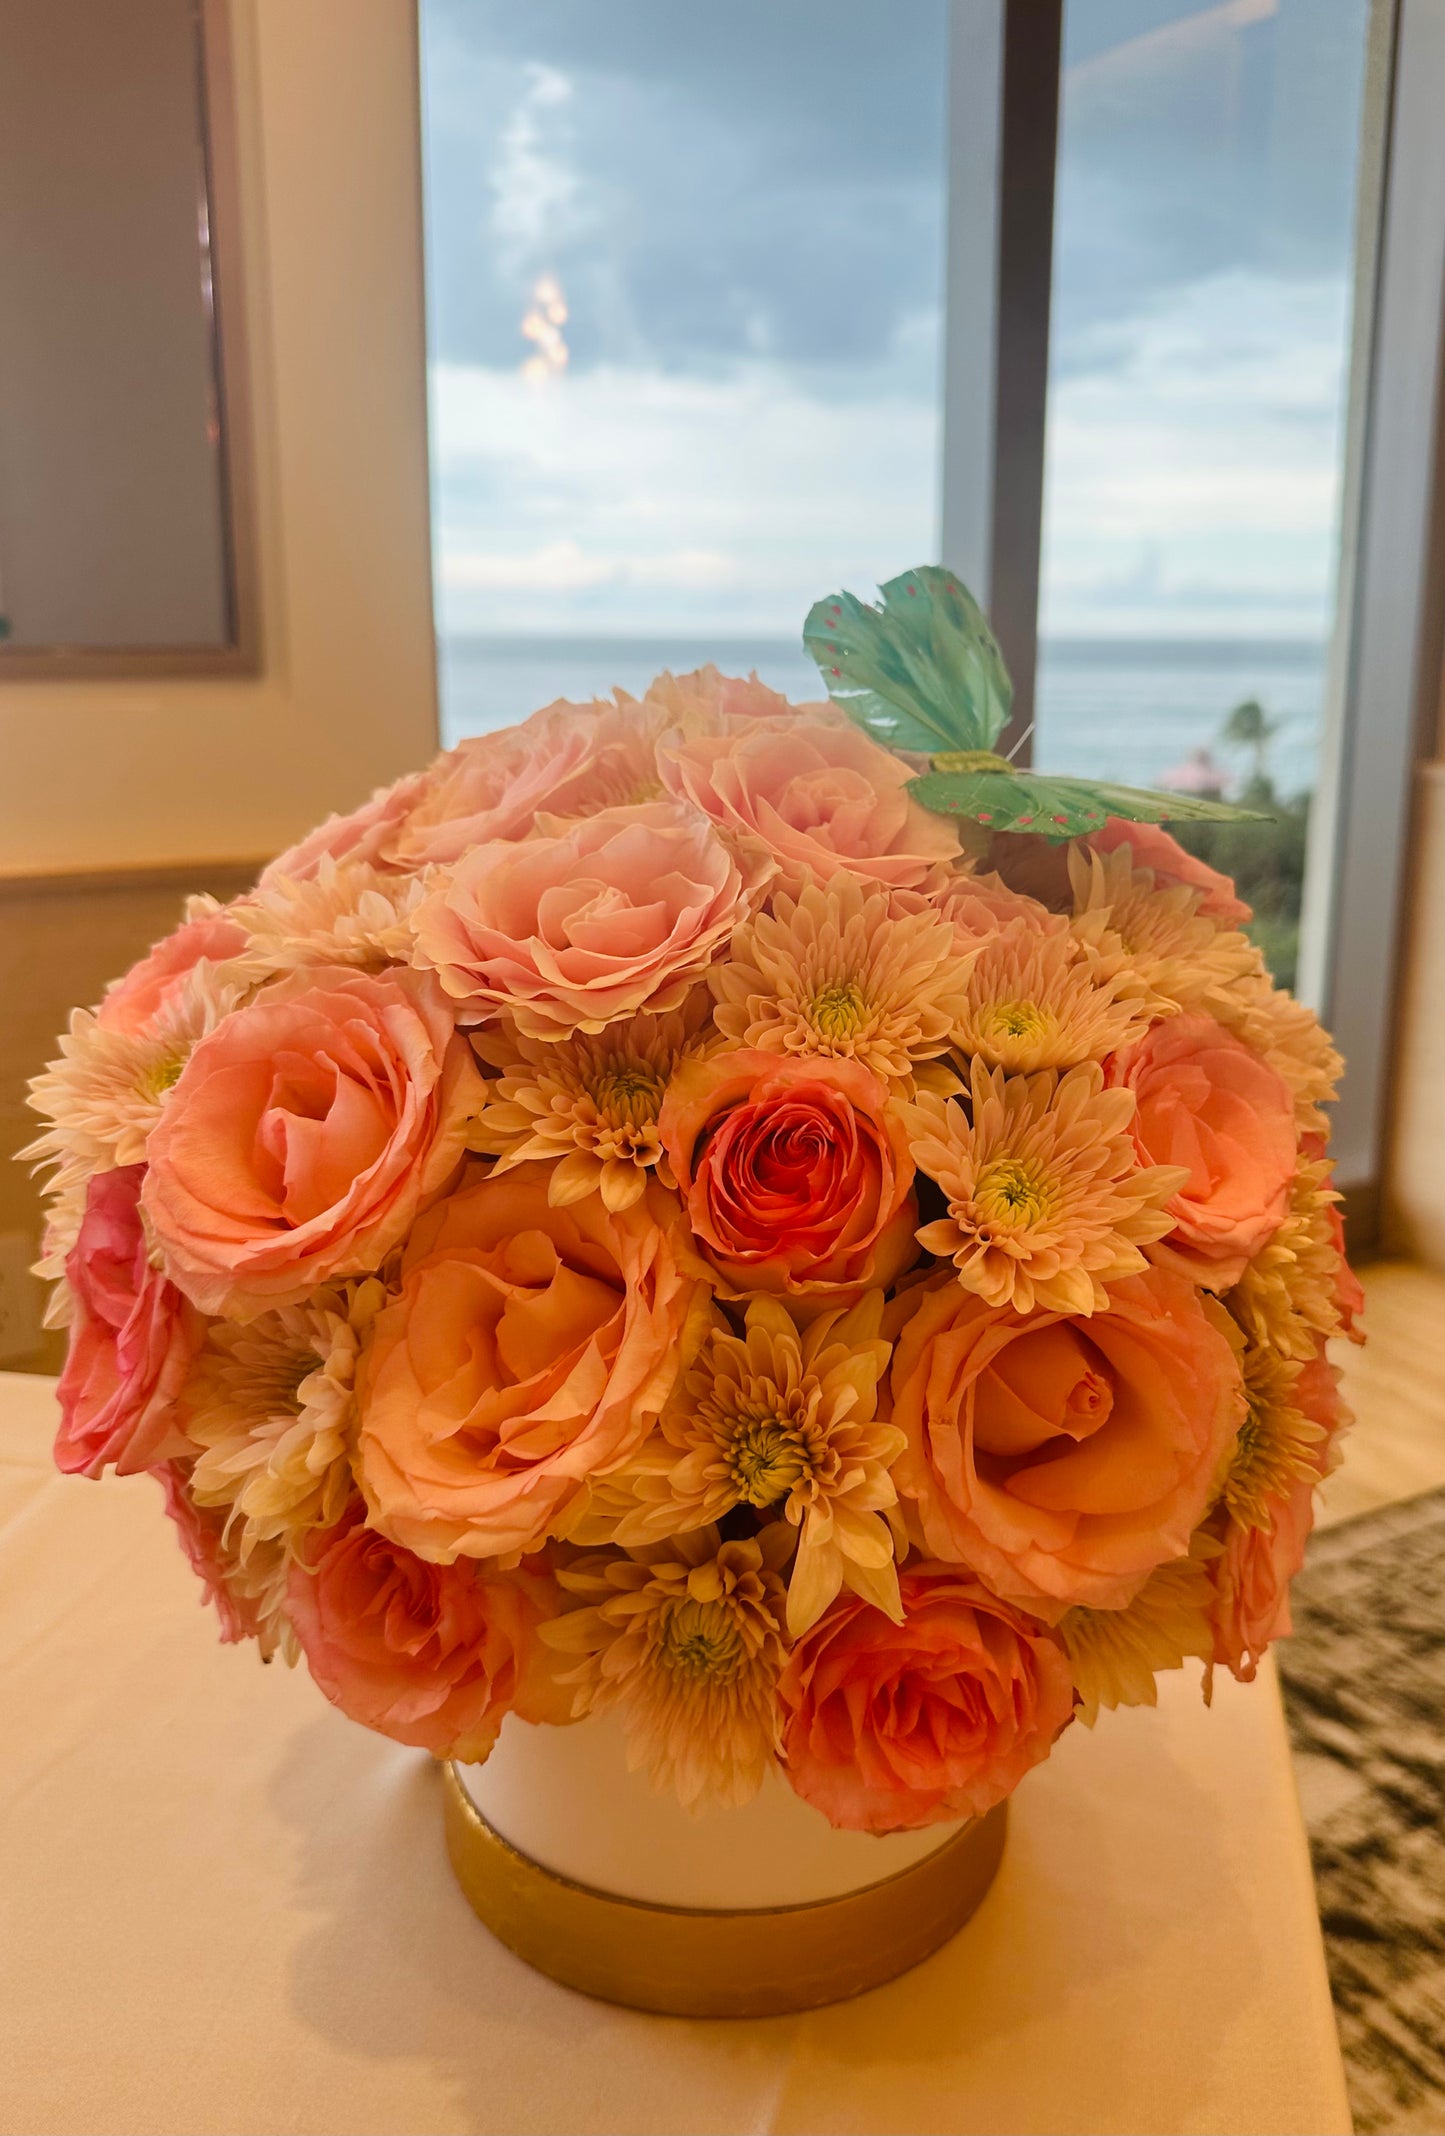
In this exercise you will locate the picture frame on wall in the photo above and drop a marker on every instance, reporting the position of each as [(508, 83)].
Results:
[(127, 540)]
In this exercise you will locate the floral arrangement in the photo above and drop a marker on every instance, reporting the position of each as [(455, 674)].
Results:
[(691, 1206)]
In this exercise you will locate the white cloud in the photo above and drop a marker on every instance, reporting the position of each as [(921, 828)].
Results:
[(535, 190), (564, 567), (631, 500), (1193, 482)]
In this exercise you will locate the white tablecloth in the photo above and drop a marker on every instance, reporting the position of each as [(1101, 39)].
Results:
[(226, 1909)]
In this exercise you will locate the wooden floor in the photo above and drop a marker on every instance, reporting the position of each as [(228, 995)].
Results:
[(1396, 1387)]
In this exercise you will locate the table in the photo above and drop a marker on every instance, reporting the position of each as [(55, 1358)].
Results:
[(225, 1909)]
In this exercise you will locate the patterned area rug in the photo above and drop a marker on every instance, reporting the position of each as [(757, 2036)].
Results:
[(1364, 1681)]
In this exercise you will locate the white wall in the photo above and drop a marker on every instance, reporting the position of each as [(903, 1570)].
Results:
[(116, 774)]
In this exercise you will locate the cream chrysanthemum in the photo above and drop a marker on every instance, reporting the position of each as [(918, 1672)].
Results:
[(259, 1583), (1047, 1200), (107, 1090), (1033, 1001), (1287, 1298), (347, 913), (587, 1105), (843, 969), (270, 1404), (1151, 941), (776, 1417), (685, 1639), (1278, 1445), (1291, 1038), (1114, 1653)]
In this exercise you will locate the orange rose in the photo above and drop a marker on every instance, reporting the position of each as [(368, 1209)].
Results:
[(575, 928), (816, 796), (1204, 1101), (887, 1727), (433, 1655), (795, 1173), (303, 1136), (1063, 1459), (530, 1348)]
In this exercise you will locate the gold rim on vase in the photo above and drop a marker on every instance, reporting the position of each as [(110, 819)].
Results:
[(699, 1962)]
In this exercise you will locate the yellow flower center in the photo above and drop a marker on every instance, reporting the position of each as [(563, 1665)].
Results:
[(627, 1093), (162, 1076), (1017, 1019), (838, 1010), (699, 1642), (1012, 1193), (766, 1458)]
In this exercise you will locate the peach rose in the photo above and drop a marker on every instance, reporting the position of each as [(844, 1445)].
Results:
[(816, 796), (795, 1173), (304, 1134), (1172, 866), (887, 1727), (705, 701), (433, 1655), (134, 1002), (578, 927), (1063, 1459), (1204, 1101), (1251, 1580), (202, 1536), (132, 1339), (531, 1348), (367, 834), (566, 760)]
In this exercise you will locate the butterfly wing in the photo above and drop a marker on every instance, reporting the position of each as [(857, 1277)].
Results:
[(921, 672), (1057, 809)]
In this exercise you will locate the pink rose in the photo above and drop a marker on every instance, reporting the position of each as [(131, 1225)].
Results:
[(132, 1340), (1171, 866), (432, 1655), (1063, 1459), (566, 760), (578, 927), (816, 796), (530, 1348), (1204, 1101), (134, 1002), (202, 1535), (887, 1727), (303, 1136), (367, 834), (795, 1173)]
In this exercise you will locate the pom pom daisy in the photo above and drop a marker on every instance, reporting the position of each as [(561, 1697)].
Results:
[(842, 969), (685, 1639), (1047, 1202)]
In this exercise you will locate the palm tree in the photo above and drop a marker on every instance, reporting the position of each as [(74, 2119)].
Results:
[(1249, 727)]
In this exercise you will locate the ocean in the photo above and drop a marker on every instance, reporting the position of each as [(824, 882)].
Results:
[(1123, 709)]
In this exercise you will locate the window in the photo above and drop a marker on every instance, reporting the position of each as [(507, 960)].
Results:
[(1136, 300), (1208, 168), (685, 289)]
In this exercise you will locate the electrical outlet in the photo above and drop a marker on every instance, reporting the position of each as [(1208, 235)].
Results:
[(21, 1299)]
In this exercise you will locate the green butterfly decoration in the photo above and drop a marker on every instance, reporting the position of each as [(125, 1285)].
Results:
[(922, 673)]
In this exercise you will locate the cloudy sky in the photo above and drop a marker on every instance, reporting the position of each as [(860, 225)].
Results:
[(741, 211)]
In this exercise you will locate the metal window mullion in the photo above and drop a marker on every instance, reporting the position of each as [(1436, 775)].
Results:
[(1003, 98)]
